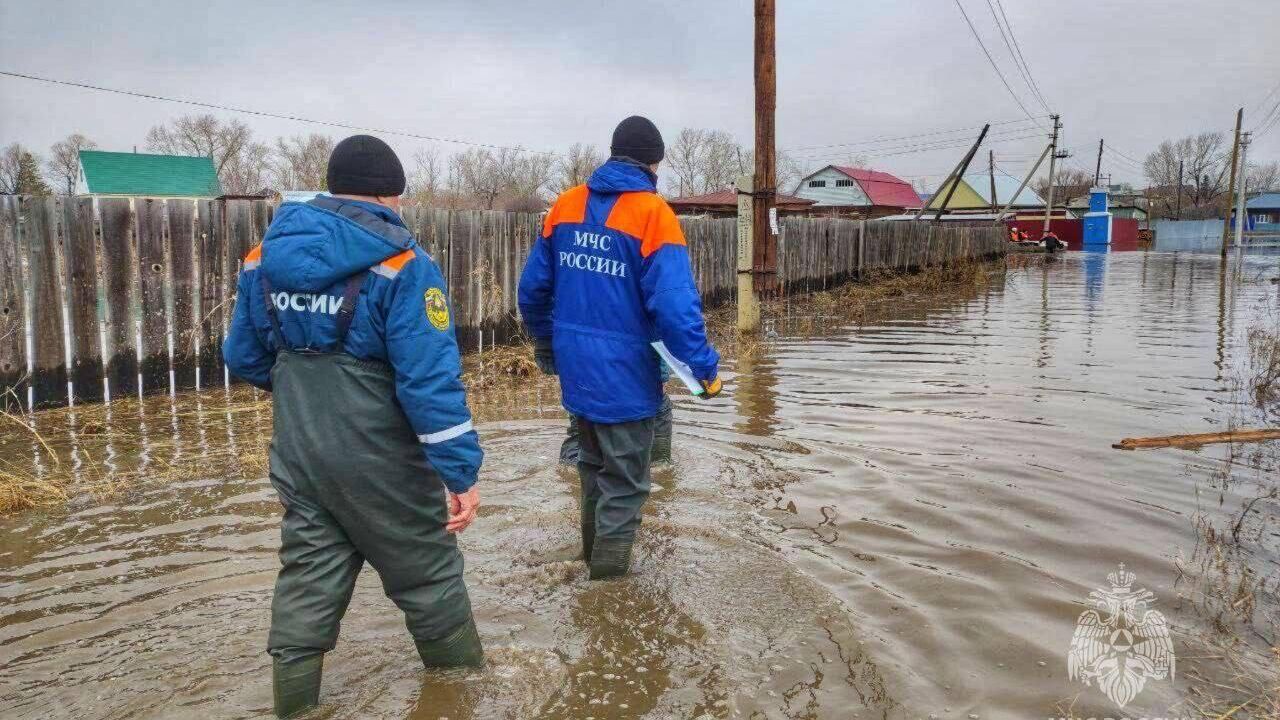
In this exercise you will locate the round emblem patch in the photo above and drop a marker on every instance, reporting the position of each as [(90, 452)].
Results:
[(437, 309)]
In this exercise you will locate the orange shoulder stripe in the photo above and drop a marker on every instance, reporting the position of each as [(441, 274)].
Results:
[(570, 207), (254, 254), (646, 216), (396, 262)]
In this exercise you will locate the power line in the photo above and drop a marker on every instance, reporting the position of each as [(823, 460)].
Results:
[(974, 31), (1026, 77), (948, 141), (953, 145), (277, 116), (1035, 87), (907, 137), (1116, 151)]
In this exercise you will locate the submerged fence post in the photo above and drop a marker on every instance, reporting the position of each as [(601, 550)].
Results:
[(748, 305)]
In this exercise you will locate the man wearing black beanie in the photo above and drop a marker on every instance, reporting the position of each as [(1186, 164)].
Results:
[(607, 287), (343, 317)]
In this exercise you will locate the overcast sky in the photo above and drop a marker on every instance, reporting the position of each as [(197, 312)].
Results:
[(544, 75)]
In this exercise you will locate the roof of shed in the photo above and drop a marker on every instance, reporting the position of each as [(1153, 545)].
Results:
[(119, 173)]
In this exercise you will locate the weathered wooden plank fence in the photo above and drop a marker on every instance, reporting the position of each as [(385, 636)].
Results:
[(111, 297)]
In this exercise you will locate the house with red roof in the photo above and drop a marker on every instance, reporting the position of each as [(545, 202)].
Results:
[(859, 192)]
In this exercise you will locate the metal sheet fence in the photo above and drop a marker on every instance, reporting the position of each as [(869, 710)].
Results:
[(108, 297)]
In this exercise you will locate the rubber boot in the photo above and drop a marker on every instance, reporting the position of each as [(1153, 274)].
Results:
[(460, 648), (610, 559), (295, 686)]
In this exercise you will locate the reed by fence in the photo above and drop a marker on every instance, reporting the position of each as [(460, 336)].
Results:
[(106, 297)]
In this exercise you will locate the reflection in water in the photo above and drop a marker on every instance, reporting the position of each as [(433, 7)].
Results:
[(888, 515)]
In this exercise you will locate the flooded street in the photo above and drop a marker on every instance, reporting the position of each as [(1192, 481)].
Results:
[(896, 515)]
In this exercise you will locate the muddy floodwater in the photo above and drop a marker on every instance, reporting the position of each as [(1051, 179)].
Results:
[(899, 514)]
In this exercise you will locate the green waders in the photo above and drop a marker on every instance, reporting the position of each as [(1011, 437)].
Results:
[(613, 466), (355, 486), (662, 431)]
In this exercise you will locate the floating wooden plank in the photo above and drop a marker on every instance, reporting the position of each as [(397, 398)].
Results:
[(118, 268), (1231, 436), (184, 298), (80, 270), (13, 341), (41, 229)]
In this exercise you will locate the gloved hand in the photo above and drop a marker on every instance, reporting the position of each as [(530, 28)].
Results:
[(711, 388), (544, 356)]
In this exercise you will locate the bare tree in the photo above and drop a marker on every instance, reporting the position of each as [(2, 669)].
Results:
[(202, 136), (704, 161), (247, 172), (426, 181), (64, 165), (302, 163), (1068, 184), (1204, 161), (1264, 177), (10, 164), (576, 166), (507, 178)]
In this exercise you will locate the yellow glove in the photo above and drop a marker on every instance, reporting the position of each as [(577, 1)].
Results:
[(711, 389)]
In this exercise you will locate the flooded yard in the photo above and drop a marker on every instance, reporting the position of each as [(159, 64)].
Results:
[(897, 512)]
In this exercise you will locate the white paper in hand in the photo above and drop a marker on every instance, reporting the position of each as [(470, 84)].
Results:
[(682, 371)]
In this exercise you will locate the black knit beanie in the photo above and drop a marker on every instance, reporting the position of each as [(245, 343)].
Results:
[(364, 165), (638, 138)]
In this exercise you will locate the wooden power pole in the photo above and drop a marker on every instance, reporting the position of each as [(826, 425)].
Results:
[(953, 180), (1231, 188), (1097, 174), (757, 239), (1053, 164), (991, 170), (764, 217)]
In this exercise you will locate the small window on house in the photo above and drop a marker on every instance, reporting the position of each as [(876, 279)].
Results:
[(844, 183), (817, 183)]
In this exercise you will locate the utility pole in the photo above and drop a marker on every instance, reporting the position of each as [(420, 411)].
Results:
[(1178, 214), (1231, 189), (1244, 189), (764, 217), (1030, 174), (957, 174), (991, 169), (1053, 158), (1097, 174), (757, 241)]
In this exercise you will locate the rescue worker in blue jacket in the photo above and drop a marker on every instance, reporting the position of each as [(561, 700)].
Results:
[(608, 276), (343, 317)]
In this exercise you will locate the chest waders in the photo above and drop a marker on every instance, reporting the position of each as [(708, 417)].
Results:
[(355, 486)]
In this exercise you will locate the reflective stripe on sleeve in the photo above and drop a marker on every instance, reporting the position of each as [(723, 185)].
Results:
[(446, 434)]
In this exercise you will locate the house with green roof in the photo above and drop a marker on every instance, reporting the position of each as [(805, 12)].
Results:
[(140, 174)]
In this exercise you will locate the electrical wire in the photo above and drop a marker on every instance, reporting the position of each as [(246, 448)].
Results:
[(873, 141), (1026, 77), (262, 113), (1034, 85), (974, 31), (941, 142)]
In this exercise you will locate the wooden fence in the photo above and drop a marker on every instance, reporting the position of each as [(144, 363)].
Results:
[(108, 297)]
